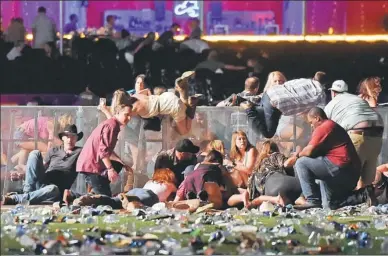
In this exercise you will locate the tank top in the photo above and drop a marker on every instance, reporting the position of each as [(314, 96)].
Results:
[(162, 190)]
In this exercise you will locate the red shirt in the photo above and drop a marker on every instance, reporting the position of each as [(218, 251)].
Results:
[(332, 141), (99, 145)]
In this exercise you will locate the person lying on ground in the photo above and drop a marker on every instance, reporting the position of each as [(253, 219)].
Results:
[(159, 189)]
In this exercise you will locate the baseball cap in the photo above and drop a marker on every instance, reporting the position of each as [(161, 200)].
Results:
[(339, 86)]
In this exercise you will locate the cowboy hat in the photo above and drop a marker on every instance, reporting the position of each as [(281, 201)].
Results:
[(185, 75), (71, 130)]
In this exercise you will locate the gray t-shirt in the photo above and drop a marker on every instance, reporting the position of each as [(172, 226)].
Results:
[(58, 160), (348, 110), (212, 65)]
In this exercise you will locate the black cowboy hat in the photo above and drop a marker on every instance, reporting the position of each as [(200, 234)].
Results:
[(71, 129)]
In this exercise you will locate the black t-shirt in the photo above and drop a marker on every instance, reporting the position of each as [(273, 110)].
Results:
[(383, 187), (166, 38), (61, 169)]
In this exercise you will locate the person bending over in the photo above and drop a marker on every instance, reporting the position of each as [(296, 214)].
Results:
[(98, 164), (204, 182), (372, 195), (291, 98), (363, 124)]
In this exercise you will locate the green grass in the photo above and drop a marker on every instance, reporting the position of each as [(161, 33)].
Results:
[(128, 223)]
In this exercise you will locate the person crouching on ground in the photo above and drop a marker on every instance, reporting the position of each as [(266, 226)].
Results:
[(98, 164)]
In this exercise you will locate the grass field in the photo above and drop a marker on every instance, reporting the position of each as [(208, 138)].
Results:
[(129, 224)]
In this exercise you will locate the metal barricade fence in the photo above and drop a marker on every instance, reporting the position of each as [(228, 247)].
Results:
[(137, 146)]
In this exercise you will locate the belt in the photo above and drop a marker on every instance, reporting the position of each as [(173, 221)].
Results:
[(369, 131)]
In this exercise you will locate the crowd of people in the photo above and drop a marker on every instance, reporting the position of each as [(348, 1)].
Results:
[(335, 167), (117, 57)]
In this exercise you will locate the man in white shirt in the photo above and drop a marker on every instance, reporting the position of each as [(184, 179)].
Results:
[(43, 29), (363, 124)]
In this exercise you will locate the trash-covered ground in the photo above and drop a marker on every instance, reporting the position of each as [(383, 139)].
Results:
[(157, 230)]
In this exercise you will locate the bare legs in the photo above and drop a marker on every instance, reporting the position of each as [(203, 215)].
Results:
[(244, 198), (183, 127), (25, 148)]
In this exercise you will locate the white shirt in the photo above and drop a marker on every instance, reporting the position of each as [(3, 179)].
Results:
[(45, 30), (13, 54), (348, 110), (196, 45), (297, 96), (162, 190)]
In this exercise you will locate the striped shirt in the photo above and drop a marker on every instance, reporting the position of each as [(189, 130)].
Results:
[(297, 96)]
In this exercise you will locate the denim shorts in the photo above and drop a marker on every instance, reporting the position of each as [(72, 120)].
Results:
[(146, 196), (20, 135)]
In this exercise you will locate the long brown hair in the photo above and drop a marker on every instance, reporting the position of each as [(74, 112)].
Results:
[(164, 175), (267, 148), (235, 154), (370, 87)]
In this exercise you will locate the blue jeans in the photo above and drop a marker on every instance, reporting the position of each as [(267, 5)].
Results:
[(335, 183), (36, 189), (45, 193), (264, 118), (145, 196), (99, 183), (35, 172)]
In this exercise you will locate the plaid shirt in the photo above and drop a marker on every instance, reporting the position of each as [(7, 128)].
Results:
[(297, 96)]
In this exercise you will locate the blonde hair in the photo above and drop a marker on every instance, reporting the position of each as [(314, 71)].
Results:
[(271, 78), (64, 120), (120, 97), (235, 154), (159, 90), (216, 145)]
